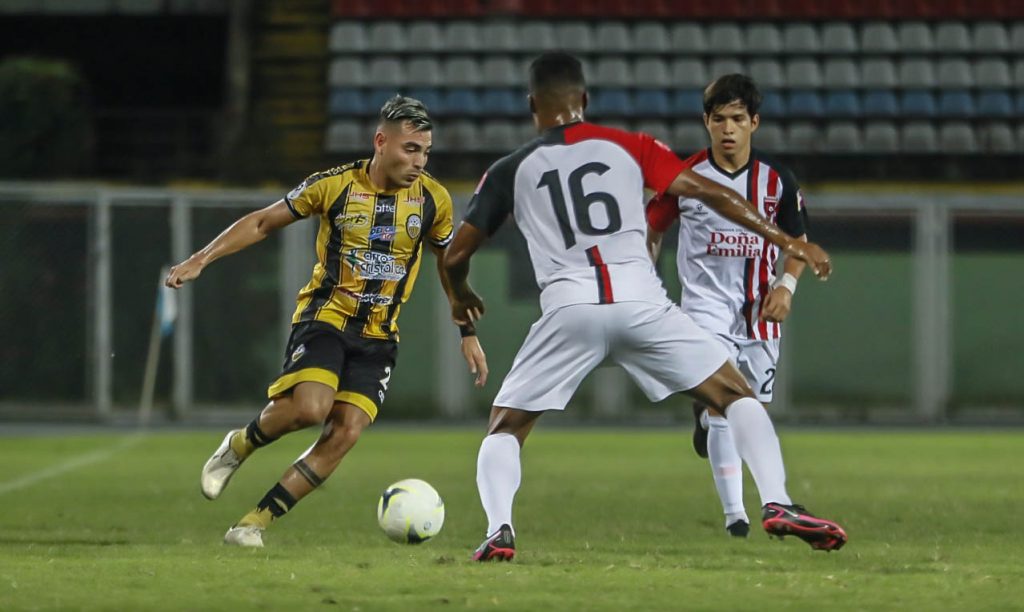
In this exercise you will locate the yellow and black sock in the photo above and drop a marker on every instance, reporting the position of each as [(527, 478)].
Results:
[(273, 506), (245, 442)]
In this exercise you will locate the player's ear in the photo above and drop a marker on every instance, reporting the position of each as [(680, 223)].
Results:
[(754, 122), (378, 140), (707, 121)]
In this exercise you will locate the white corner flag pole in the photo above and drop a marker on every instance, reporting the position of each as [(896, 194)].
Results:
[(164, 314)]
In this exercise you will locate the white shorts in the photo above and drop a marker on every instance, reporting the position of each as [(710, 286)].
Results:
[(661, 349), (757, 360)]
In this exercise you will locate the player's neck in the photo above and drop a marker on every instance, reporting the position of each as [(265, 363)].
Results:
[(731, 162), (551, 119), (378, 178)]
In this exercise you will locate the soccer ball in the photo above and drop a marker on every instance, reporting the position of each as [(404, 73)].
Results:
[(410, 511)]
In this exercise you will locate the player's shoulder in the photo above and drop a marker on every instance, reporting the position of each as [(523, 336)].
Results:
[(696, 159), (773, 162), (341, 172), (433, 185)]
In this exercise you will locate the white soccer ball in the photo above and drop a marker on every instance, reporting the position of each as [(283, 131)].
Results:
[(410, 511)]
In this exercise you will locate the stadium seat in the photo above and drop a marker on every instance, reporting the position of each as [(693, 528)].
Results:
[(612, 72), (462, 36), (801, 38), (843, 137), (881, 137), (919, 137), (387, 37), (347, 37), (841, 74), (880, 104), (688, 137), (767, 73), (651, 73), (1018, 73), (803, 72), (387, 71), (954, 74), (462, 72), (916, 73), (347, 72), (613, 37), (500, 36), (996, 137), (658, 129), (430, 97), (915, 37), (651, 103), (345, 136), (503, 101), (1020, 103), (611, 103), (878, 73), (537, 36), (1020, 138), (726, 38), (956, 103), (462, 102), (802, 104), (990, 37), (501, 70), (723, 66), (500, 136), (992, 73), (346, 102), (426, 36), (952, 37), (839, 37), (376, 97), (575, 36), (803, 138), (957, 137), (461, 136), (689, 73), (688, 103), (424, 71), (770, 138), (763, 38), (773, 105), (845, 104), (651, 37), (878, 37), (1017, 38), (688, 38), (915, 103)]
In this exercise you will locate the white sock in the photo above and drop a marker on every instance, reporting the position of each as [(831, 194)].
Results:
[(727, 469), (498, 475), (755, 439)]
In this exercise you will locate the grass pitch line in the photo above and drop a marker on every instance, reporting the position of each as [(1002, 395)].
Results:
[(71, 464)]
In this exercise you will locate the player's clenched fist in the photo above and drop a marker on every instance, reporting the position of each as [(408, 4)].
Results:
[(813, 255), (184, 272)]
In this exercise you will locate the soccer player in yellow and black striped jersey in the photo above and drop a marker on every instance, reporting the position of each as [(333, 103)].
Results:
[(375, 216)]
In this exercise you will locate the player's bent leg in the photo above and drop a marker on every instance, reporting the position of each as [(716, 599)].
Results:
[(341, 431), (498, 476)]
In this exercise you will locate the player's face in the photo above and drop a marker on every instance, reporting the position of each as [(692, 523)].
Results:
[(730, 127), (402, 152)]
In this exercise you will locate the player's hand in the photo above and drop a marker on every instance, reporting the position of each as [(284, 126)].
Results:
[(776, 305), (476, 359), (190, 269), (813, 255), (467, 307)]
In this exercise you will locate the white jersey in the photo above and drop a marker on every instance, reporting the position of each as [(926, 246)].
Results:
[(725, 270), (577, 195)]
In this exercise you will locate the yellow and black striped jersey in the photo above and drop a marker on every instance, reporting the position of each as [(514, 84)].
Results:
[(369, 246)]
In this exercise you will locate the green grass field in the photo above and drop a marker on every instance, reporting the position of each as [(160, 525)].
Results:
[(606, 520)]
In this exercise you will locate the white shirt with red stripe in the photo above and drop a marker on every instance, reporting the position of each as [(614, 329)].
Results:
[(726, 271), (577, 195)]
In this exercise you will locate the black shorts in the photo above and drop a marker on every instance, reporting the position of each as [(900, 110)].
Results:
[(358, 368)]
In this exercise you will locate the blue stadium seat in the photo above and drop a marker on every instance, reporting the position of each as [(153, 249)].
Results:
[(804, 104), (958, 104), (611, 103), (651, 103), (688, 103), (995, 104), (377, 96), (918, 104), (462, 102), (347, 103), (503, 102), (842, 104), (430, 97), (773, 105), (1020, 103), (880, 104)]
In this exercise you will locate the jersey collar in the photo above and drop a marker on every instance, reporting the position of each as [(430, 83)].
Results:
[(724, 172)]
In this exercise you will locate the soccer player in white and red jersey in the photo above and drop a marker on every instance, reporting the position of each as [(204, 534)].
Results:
[(730, 284), (577, 195)]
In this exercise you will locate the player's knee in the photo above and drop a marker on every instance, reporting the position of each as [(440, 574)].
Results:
[(340, 438), (312, 411)]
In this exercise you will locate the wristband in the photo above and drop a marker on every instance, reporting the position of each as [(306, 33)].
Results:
[(788, 281), (467, 330)]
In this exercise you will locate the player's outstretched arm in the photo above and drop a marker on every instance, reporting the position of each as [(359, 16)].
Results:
[(472, 352), (467, 307), (245, 232), (735, 208)]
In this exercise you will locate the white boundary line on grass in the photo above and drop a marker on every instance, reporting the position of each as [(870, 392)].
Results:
[(71, 464)]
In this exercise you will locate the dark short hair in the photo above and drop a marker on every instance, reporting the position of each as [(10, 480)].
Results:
[(555, 70), (403, 108), (732, 88)]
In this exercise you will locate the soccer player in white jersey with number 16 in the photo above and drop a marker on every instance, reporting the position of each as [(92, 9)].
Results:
[(730, 287), (577, 195)]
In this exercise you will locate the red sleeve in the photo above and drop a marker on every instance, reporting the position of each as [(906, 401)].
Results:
[(662, 212), (658, 163)]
